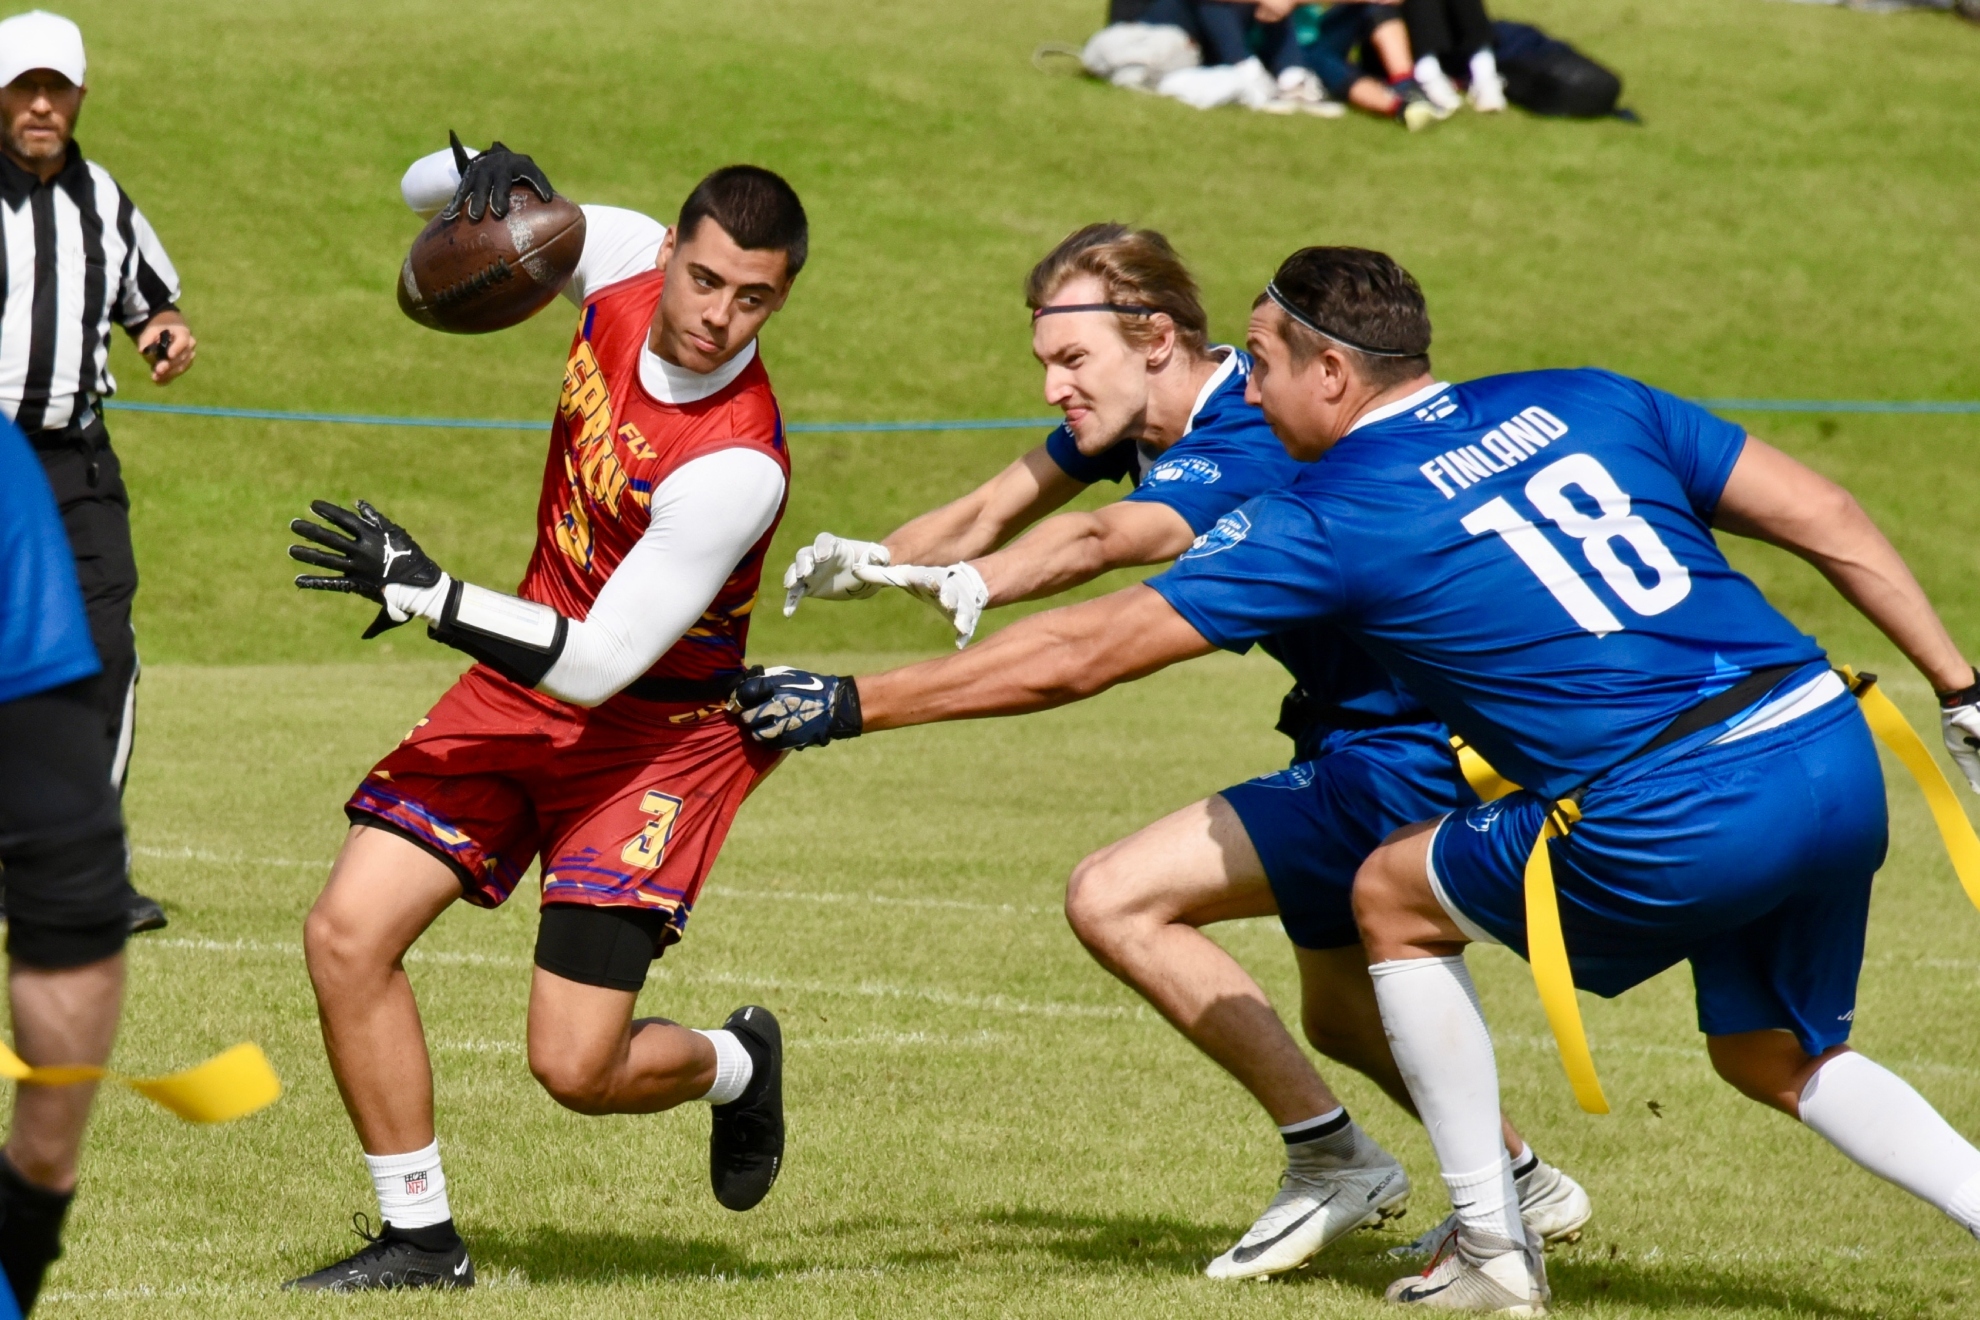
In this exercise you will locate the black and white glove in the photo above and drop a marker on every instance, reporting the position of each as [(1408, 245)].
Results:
[(377, 559), (487, 179), (790, 708), (1959, 718), (370, 554)]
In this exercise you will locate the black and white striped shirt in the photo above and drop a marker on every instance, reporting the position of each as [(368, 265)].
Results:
[(75, 255)]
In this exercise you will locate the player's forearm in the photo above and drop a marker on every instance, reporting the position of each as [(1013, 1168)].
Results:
[(1048, 660), (1059, 554), (961, 529)]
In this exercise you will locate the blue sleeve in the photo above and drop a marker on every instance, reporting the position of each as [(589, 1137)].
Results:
[(1262, 569), (1702, 448), (1108, 465), (1205, 479)]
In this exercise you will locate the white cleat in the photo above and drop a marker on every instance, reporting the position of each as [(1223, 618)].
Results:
[(1488, 94), (1314, 1207), (1514, 1283), (1554, 1208)]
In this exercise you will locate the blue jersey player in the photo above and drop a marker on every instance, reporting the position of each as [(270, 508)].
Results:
[(1121, 333), (1533, 555), (63, 855)]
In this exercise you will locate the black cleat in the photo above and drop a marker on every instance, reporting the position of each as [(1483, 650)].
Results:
[(392, 1259), (746, 1142), (145, 914)]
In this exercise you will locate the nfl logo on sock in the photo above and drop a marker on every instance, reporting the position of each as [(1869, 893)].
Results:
[(416, 1183)]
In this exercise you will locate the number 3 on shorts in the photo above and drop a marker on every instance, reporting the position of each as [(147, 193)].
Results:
[(649, 846), (1548, 491)]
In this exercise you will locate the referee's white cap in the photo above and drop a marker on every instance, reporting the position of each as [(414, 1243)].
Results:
[(40, 40)]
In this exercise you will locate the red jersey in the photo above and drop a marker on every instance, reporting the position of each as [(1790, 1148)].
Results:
[(611, 447)]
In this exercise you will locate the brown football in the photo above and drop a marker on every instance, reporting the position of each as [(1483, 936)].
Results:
[(469, 278)]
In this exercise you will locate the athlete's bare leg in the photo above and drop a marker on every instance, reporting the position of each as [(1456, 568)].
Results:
[(66, 1015), (383, 893), (1137, 904), (591, 1056)]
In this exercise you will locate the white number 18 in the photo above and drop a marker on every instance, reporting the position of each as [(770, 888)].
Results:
[(1548, 491)]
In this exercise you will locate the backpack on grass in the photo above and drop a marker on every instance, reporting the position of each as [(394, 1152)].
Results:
[(1550, 77)]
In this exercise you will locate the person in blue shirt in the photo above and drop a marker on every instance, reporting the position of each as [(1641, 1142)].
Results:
[(1533, 555), (1122, 335), (62, 860)]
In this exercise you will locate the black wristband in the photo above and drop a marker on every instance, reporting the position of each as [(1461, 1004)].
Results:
[(1966, 696), (845, 722)]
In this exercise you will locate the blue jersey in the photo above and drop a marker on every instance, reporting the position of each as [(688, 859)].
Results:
[(44, 635), (1226, 456), (1531, 554)]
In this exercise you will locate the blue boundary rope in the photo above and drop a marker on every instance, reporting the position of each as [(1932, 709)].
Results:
[(992, 424)]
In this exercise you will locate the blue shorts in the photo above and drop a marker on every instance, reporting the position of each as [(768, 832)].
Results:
[(1314, 824), (1752, 859)]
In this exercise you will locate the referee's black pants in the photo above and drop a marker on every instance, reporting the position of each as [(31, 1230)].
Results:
[(96, 511)]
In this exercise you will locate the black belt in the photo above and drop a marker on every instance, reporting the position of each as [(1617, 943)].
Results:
[(683, 689), (1301, 713), (1718, 707), (73, 435)]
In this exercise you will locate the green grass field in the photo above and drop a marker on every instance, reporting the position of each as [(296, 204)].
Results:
[(982, 1121)]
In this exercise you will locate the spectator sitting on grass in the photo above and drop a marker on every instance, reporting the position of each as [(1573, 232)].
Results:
[(1310, 73), (1449, 35)]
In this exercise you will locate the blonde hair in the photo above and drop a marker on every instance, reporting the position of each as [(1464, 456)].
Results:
[(1137, 268)]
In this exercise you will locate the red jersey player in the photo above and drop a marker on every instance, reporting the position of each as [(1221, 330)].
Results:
[(592, 734)]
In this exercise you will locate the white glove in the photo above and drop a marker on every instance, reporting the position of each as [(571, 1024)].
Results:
[(1962, 730), (825, 569), (958, 591)]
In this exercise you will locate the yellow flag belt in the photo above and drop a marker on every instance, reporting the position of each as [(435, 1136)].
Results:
[(230, 1085), (1546, 948)]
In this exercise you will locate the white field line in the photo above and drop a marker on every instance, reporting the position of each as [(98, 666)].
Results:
[(510, 1279), (1004, 1004), (864, 1040)]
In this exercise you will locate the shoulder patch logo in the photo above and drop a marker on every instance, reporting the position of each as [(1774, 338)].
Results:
[(1195, 471), (1231, 529)]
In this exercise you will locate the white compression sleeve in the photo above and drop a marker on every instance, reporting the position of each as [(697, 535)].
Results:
[(1437, 1032), (704, 518), (618, 244), (1873, 1116), (429, 182)]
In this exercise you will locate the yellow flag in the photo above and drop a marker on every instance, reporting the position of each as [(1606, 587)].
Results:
[(230, 1085)]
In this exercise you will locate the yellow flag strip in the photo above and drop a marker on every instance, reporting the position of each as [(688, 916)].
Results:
[(1895, 732), (230, 1085)]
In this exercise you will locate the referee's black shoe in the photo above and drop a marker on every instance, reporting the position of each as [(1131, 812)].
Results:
[(146, 914), (395, 1258), (746, 1143)]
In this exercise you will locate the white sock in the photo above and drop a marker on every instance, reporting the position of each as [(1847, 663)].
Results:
[(1873, 1116), (1484, 67), (1437, 1032), (1428, 69), (733, 1067), (412, 1192)]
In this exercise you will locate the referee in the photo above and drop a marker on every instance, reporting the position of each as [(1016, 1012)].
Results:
[(76, 255)]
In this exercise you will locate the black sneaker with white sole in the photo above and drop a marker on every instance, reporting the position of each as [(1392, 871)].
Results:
[(395, 1258), (746, 1143)]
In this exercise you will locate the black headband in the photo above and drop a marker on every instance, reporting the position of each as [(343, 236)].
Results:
[(1123, 309), (1286, 306)]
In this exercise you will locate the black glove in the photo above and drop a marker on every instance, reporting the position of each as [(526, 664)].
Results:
[(372, 553), (487, 179), (789, 708)]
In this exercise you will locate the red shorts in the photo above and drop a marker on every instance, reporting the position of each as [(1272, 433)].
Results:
[(626, 804)]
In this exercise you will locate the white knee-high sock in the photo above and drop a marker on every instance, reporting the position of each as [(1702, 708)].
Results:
[(1872, 1115), (1437, 1032)]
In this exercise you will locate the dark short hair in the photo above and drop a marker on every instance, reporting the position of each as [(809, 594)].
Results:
[(1365, 299), (756, 208), (1137, 268)]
